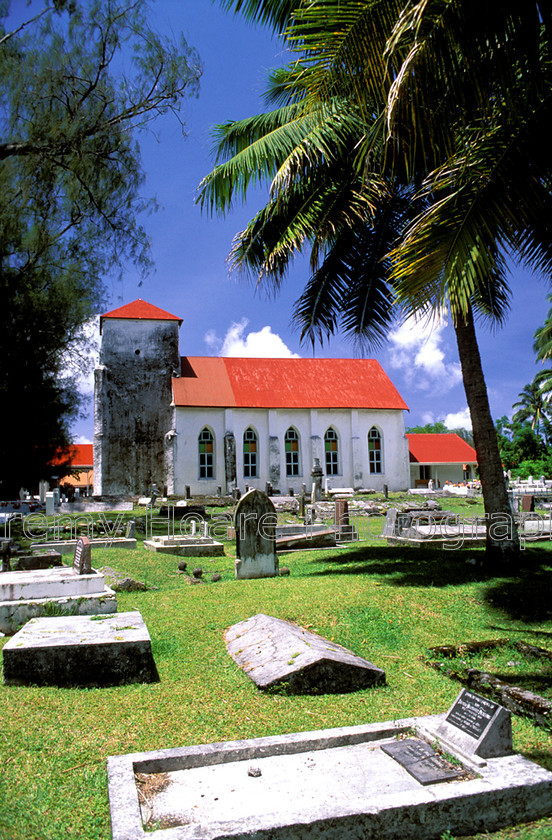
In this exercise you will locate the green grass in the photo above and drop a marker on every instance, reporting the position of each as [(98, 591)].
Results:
[(387, 604)]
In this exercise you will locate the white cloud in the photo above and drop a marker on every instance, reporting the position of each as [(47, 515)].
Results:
[(261, 344), (418, 349), (459, 419), (80, 363)]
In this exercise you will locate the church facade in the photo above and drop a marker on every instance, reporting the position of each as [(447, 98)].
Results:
[(212, 424)]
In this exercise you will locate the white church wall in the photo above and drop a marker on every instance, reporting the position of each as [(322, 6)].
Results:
[(270, 426)]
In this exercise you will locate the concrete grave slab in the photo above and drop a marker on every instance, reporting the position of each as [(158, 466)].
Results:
[(333, 784), (69, 546), (26, 595), (275, 652), (36, 561), (99, 650), (185, 546)]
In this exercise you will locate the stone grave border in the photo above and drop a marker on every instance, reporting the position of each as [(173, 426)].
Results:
[(496, 793)]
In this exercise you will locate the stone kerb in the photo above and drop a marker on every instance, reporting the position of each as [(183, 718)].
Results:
[(255, 523)]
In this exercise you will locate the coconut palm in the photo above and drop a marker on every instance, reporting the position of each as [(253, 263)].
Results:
[(486, 174), (534, 405)]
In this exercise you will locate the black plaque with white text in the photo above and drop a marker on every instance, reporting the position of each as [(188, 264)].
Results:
[(420, 760), (472, 713)]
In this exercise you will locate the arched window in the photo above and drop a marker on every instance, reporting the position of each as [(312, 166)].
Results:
[(291, 441), (375, 451), (206, 454), (249, 453), (331, 449)]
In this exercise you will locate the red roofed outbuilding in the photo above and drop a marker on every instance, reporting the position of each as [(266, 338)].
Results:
[(441, 458), (80, 460), (211, 423)]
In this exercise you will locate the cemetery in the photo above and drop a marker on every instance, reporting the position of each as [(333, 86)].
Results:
[(294, 702)]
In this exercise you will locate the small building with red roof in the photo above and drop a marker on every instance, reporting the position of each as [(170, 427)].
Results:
[(213, 424), (442, 458), (79, 460)]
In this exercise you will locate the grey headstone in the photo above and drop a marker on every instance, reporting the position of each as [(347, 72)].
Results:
[(477, 726), (272, 652), (82, 561), (255, 524)]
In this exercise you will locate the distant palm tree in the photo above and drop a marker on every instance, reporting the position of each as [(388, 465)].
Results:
[(534, 405)]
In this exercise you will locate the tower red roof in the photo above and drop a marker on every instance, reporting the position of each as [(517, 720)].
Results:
[(140, 310)]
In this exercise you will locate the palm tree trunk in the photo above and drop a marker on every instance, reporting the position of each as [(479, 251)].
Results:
[(502, 542)]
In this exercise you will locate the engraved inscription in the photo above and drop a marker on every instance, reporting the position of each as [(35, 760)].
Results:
[(472, 713)]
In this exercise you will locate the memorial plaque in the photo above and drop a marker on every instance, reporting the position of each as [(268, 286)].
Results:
[(82, 561), (420, 760), (477, 726), (472, 713)]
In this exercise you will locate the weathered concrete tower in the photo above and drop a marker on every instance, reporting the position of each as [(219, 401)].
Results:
[(133, 415)]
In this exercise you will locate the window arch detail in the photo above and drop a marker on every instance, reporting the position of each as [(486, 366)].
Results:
[(250, 453), (375, 451), (206, 451), (291, 445), (331, 451)]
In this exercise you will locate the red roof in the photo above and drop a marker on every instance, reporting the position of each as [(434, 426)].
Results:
[(440, 449), (140, 310), (284, 383), (78, 455)]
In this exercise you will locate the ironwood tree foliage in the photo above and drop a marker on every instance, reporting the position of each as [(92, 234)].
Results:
[(78, 82)]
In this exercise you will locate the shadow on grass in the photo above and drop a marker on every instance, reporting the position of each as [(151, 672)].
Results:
[(405, 566), (525, 596), (523, 593)]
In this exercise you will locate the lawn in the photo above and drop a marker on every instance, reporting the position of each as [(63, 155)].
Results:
[(387, 604)]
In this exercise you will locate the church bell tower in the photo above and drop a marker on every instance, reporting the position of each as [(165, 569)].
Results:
[(133, 415)]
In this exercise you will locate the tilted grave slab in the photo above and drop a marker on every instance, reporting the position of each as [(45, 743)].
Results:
[(332, 784), (274, 652), (100, 650)]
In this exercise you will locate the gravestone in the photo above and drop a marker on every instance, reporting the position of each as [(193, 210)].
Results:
[(82, 561), (390, 526), (330, 784), (528, 503), (317, 475), (275, 652), (344, 530), (255, 523), (476, 725)]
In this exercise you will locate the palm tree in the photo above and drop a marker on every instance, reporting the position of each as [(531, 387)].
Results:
[(482, 153), (534, 405)]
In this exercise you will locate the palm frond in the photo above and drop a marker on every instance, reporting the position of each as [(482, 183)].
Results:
[(275, 14)]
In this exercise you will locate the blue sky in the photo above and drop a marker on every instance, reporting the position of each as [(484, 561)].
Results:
[(222, 315)]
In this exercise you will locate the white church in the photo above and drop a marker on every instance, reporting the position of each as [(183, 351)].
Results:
[(213, 424)]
